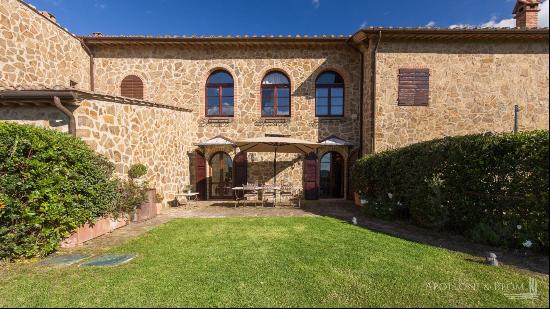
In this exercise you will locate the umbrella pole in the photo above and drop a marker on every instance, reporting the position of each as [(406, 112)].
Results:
[(275, 168)]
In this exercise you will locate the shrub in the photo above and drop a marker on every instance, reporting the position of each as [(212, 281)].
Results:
[(137, 171), (50, 184), (481, 186)]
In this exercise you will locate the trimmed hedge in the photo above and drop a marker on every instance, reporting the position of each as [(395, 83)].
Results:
[(492, 188), (50, 184)]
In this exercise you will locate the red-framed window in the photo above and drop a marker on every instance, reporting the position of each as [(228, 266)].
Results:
[(329, 95), (220, 97), (275, 95)]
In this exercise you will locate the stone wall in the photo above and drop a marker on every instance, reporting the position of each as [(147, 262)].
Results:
[(177, 76), (36, 51), (129, 134), (473, 87)]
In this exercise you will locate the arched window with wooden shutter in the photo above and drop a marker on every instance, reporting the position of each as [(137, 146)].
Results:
[(131, 87)]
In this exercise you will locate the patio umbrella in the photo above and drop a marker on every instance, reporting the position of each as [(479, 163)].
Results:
[(276, 145)]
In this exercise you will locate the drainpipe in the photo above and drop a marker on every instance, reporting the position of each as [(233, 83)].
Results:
[(68, 113), (361, 95), (89, 52), (373, 94)]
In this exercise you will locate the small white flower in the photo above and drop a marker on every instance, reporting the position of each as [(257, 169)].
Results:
[(399, 203), (363, 202), (390, 196), (519, 227), (527, 244)]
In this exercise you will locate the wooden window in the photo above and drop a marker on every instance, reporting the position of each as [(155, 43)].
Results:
[(414, 87), (132, 87), (275, 95), (220, 95), (329, 95)]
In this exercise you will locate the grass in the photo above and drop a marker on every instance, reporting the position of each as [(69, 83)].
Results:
[(281, 262)]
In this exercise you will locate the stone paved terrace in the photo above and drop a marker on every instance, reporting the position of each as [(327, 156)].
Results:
[(339, 209)]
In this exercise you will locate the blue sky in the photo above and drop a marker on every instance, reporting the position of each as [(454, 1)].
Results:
[(264, 17)]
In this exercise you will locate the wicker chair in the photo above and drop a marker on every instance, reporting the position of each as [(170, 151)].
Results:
[(269, 193), (291, 195), (250, 194)]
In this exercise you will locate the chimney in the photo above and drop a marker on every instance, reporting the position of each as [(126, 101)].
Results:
[(49, 16), (526, 13)]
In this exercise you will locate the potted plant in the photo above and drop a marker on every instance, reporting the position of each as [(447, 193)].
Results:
[(189, 188)]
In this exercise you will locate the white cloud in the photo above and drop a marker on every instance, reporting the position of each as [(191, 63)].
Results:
[(504, 23), (509, 22), (543, 14), (430, 24), (316, 3)]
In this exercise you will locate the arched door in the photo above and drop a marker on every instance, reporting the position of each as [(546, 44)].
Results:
[(221, 176), (331, 175)]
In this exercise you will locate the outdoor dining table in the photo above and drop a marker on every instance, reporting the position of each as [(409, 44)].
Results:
[(237, 189)]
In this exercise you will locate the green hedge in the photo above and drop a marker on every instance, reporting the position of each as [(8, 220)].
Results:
[(50, 183), (492, 188)]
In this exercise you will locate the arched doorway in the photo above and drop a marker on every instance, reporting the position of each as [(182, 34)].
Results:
[(331, 174), (221, 176)]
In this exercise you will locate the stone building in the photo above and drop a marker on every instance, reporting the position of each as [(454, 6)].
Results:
[(179, 104)]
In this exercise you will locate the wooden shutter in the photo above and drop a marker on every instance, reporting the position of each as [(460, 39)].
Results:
[(240, 165), (311, 179), (351, 161), (414, 87), (131, 87), (200, 174)]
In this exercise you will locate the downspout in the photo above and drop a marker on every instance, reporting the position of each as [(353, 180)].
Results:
[(68, 113), (89, 52), (373, 94), (361, 95)]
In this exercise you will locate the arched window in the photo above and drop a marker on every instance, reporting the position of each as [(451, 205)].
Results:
[(132, 87), (275, 95), (329, 95), (219, 94)]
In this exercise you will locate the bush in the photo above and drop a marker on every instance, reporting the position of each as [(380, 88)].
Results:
[(50, 184), (482, 186), (137, 171)]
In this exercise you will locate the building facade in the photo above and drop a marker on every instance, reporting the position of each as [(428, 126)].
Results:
[(179, 104)]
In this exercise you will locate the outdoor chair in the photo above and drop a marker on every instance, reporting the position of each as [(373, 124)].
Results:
[(269, 193), (286, 192), (250, 194), (291, 195)]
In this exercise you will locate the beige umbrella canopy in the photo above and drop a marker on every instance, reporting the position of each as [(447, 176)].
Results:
[(276, 144)]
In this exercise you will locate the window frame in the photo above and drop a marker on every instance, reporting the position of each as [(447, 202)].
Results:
[(275, 88), (329, 95), (220, 96)]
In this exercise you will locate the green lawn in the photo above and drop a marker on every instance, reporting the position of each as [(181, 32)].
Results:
[(280, 262)]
